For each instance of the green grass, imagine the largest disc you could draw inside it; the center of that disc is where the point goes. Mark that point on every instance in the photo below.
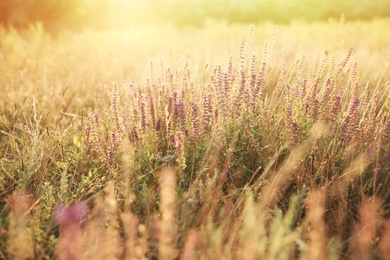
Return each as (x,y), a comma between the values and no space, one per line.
(199,143)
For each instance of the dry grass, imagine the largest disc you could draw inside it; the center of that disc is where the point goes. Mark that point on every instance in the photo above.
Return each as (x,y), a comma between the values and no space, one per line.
(260,154)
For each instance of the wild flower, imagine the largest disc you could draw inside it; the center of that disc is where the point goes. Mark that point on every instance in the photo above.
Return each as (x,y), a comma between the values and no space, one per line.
(252,83)
(110,157)
(95,131)
(335,108)
(194,110)
(70,215)
(352,119)
(87,133)
(301,62)
(327,90)
(169,107)
(115,140)
(344,63)
(134,134)
(69,219)
(195,129)
(291,126)
(242,54)
(313,103)
(179,114)
(152,111)
(143,116)
(386,132)
(368,125)
(303,89)
(114,107)
(260,80)
(207,112)
(158,125)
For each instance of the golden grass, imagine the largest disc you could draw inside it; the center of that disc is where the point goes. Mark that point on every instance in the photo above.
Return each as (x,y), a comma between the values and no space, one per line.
(224,150)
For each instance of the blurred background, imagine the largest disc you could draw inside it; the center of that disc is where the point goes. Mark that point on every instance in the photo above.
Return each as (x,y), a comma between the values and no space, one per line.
(58,15)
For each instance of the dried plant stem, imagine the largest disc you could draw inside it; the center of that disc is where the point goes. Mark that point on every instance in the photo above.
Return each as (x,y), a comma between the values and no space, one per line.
(315,203)
(167,246)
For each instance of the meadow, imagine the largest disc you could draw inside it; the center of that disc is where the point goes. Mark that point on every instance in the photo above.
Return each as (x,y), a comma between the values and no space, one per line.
(217,142)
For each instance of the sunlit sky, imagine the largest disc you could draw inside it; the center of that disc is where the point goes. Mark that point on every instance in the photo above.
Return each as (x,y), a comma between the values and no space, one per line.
(119,13)
(128,12)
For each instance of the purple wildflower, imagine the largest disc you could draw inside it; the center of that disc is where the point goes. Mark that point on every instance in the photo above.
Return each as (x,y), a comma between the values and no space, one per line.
(179,113)
(207,111)
(194,110)
(143,116)
(73,214)
(195,128)
(158,125)
(334,109)
(133,134)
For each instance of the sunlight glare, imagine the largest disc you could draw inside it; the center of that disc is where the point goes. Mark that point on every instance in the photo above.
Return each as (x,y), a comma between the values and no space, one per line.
(124,13)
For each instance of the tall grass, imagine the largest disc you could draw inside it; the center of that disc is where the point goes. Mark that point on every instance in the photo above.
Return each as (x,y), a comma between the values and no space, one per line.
(255,155)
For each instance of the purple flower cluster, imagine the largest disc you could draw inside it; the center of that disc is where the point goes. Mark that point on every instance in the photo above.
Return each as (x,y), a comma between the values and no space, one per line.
(207,111)
(73,214)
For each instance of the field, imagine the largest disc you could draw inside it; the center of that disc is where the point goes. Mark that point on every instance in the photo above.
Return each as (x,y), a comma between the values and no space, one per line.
(214,142)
